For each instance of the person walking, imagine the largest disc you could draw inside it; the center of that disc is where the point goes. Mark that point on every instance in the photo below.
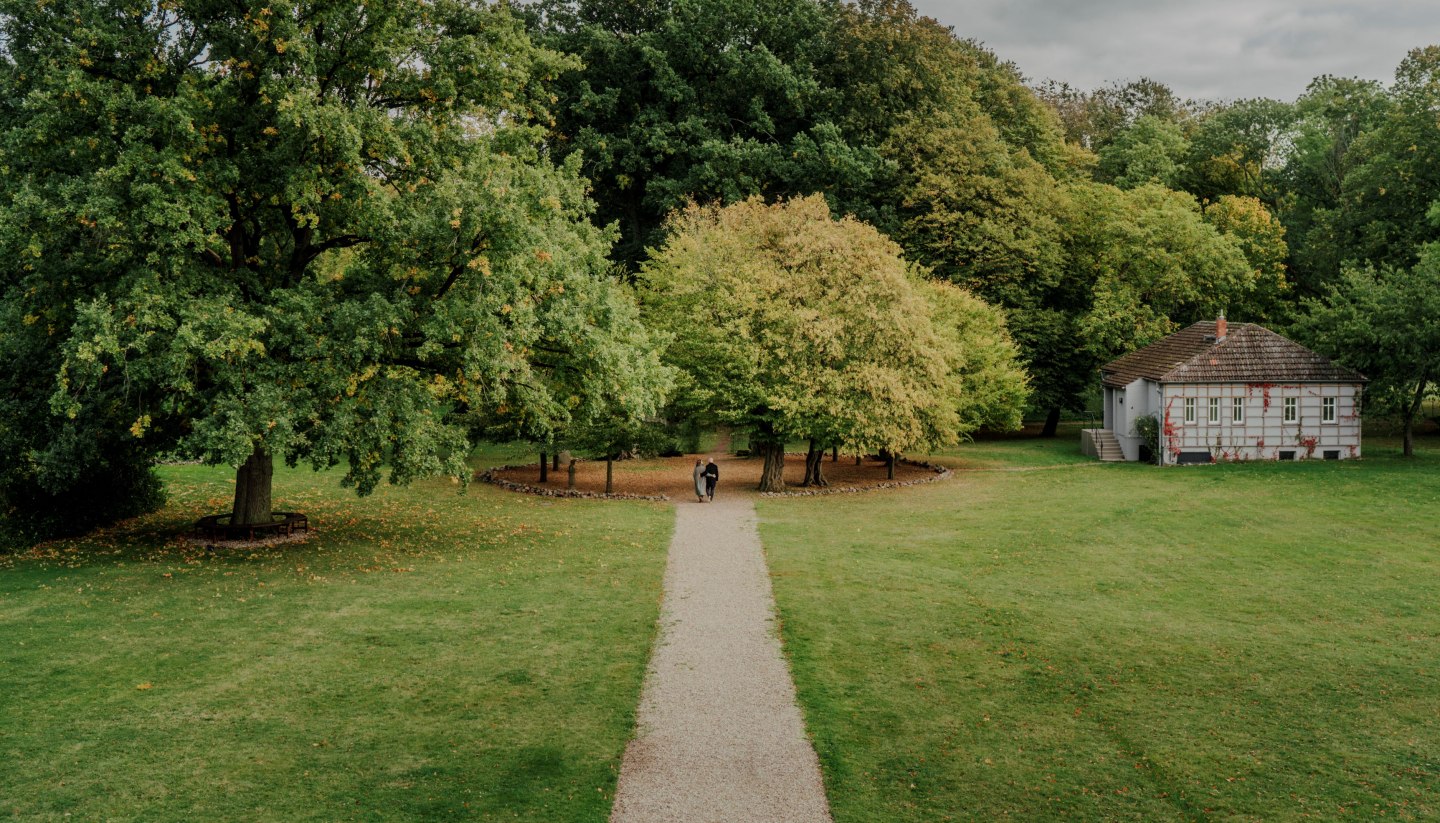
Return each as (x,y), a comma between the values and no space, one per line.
(712,476)
(699,481)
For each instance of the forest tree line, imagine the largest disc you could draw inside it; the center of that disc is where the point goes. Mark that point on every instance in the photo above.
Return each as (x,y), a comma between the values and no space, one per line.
(369,234)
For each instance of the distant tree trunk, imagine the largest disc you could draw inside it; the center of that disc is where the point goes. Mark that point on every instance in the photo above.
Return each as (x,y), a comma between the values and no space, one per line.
(889,465)
(772,448)
(253,489)
(609,474)
(544,468)
(1410,412)
(1052,423)
(555,461)
(570,483)
(834,454)
(859,460)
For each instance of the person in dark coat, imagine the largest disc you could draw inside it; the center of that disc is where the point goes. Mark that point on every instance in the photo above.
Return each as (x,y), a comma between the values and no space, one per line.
(712,476)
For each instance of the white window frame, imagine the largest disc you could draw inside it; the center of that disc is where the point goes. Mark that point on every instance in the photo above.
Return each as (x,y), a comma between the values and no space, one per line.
(1329,411)
(1190,411)
(1214,416)
(1292,409)
(1237,410)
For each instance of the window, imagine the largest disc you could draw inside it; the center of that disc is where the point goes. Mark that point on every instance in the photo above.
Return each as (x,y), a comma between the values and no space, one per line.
(1237,410)
(1292,409)
(1189,411)
(1214,410)
(1287,455)
(1327,410)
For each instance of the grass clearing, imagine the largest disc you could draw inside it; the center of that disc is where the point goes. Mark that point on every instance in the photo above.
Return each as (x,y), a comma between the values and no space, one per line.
(426,655)
(1121,642)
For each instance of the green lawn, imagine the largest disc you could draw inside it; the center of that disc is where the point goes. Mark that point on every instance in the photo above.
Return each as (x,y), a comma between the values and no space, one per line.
(427,656)
(1121,642)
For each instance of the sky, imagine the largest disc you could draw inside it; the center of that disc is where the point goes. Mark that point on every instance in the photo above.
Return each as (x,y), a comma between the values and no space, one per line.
(1203,49)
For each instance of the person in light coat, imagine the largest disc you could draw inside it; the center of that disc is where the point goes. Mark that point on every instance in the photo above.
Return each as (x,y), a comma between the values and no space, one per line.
(699,481)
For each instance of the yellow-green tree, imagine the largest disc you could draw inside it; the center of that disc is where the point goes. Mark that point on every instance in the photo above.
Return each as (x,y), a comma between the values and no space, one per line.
(788,323)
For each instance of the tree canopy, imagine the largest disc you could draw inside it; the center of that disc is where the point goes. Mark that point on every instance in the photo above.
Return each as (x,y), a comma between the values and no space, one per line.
(1385,323)
(787,323)
(322,231)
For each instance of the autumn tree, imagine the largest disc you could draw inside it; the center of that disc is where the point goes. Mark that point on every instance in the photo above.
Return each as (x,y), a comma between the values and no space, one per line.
(790,324)
(318,231)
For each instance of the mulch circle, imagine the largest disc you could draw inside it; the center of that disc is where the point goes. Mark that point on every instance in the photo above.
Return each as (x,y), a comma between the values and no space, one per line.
(671,476)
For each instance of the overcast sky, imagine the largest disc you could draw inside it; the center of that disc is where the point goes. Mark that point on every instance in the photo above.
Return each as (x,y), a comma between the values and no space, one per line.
(1204,49)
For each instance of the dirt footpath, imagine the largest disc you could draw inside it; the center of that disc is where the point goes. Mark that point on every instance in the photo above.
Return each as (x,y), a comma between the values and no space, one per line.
(672,475)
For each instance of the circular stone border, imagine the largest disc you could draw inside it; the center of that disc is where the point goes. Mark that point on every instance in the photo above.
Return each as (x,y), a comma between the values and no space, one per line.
(488,476)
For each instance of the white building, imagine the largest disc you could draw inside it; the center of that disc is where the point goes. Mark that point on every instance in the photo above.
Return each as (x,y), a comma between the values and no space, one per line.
(1236,392)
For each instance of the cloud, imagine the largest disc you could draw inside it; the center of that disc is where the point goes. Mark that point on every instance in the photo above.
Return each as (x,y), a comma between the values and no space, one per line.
(1223,49)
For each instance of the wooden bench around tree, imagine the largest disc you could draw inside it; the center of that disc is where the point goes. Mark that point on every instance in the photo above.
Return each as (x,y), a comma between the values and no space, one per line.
(218,527)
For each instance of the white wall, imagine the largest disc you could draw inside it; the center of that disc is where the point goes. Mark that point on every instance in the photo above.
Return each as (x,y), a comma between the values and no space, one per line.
(1264,434)
(1142,398)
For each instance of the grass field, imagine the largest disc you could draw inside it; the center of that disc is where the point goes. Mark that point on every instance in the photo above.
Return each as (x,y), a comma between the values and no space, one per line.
(1121,642)
(426,656)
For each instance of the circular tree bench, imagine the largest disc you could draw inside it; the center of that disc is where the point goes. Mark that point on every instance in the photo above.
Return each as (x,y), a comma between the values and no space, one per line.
(218,526)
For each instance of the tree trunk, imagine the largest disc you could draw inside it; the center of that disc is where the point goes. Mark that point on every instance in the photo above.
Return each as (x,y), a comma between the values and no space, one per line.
(570,483)
(772,475)
(252,490)
(835,454)
(544,468)
(859,460)
(609,474)
(1052,422)
(814,459)
(1410,412)
(555,461)
(890,465)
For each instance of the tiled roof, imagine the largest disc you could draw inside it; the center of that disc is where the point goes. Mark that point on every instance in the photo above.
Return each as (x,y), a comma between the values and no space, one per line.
(1248,354)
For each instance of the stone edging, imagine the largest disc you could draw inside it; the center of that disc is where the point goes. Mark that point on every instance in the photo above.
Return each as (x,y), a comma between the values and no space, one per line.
(488,476)
(940,473)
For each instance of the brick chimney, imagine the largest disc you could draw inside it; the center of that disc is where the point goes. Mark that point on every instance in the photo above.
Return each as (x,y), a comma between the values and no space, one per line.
(1220,328)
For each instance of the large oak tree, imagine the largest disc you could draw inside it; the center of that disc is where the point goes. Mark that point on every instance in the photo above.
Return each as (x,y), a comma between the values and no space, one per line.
(319,230)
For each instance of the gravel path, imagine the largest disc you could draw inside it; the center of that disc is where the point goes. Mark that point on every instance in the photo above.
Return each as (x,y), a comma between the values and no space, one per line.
(719,736)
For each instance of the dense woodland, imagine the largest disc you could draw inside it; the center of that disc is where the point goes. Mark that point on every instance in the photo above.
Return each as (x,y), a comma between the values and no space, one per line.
(370,234)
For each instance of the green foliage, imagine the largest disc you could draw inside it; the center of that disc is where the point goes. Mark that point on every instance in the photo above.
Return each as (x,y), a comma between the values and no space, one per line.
(1147,428)
(1397,173)
(1261,238)
(696,100)
(1239,149)
(1151,151)
(1331,115)
(990,387)
(789,324)
(1155,265)
(1094,119)
(323,230)
(1384,323)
